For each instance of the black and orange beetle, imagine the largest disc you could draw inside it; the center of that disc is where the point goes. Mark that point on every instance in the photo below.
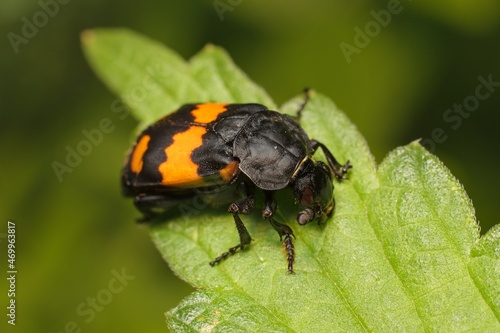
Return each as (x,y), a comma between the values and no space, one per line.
(218,147)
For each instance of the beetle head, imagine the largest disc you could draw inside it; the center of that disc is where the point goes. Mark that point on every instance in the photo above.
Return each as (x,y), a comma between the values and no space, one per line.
(313,190)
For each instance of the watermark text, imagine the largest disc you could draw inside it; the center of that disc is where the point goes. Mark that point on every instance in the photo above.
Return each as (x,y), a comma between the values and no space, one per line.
(455,115)
(363,36)
(31,25)
(11,272)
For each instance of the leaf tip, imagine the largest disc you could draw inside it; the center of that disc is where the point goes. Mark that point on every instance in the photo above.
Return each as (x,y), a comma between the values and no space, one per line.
(87,36)
(417,145)
(211,48)
(416,142)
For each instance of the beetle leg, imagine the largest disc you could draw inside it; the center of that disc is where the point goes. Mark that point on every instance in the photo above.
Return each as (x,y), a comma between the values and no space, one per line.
(338,169)
(243,206)
(284,231)
(151,205)
(303,104)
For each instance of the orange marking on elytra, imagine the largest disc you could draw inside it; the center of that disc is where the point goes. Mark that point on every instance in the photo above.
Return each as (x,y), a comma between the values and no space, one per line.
(208,112)
(229,171)
(140,148)
(179,170)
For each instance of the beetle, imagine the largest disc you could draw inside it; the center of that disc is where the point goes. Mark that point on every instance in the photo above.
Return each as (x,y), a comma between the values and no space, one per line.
(235,149)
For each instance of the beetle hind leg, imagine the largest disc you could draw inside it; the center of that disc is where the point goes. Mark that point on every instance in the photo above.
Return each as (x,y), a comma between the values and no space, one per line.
(243,206)
(302,105)
(153,205)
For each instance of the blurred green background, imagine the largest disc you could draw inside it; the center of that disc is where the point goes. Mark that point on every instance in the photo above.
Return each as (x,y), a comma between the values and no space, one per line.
(73,234)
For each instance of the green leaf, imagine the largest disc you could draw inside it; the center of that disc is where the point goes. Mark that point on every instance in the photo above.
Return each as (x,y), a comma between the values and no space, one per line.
(228,310)
(402,252)
(153,80)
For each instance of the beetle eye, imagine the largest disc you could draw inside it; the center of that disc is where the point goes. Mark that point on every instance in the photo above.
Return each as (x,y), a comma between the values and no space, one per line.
(307,198)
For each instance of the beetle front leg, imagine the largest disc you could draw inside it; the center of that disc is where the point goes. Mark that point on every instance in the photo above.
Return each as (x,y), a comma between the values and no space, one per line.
(284,231)
(243,206)
(338,169)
